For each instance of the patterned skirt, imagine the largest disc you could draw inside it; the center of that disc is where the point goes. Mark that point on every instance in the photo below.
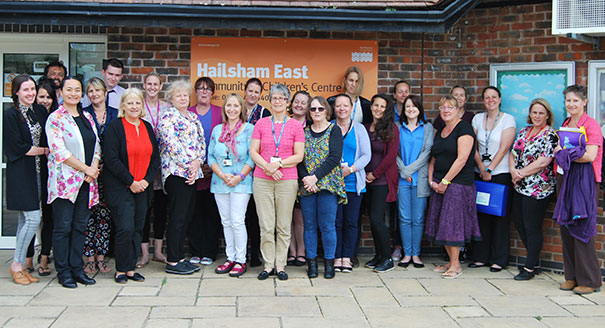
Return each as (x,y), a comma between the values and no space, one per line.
(452,217)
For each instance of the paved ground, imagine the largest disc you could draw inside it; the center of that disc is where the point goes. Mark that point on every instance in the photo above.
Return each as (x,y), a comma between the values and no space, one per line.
(400,298)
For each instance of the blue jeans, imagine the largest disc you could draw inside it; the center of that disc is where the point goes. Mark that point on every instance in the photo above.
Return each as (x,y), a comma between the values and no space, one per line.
(411,218)
(347,226)
(319,210)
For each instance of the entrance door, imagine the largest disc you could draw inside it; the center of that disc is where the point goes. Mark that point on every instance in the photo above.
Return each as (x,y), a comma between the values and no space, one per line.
(30,53)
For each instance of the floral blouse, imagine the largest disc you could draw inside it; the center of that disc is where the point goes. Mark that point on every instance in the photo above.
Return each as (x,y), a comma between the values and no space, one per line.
(527,150)
(217,152)
(64,141)
(181,141)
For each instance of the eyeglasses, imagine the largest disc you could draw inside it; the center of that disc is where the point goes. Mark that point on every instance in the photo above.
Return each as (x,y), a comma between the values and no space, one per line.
(276,98)
(317,109)
(447,107)
(203,89)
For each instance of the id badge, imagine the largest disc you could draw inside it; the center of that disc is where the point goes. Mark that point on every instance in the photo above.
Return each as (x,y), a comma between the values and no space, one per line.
(344,164)
(275,159)
(227,162)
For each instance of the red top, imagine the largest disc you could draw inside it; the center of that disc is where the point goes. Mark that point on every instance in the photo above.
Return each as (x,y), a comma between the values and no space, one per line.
(139,149)
(594,136)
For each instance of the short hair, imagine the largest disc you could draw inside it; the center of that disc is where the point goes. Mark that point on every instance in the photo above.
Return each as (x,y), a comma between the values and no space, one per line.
(546,104)
(417,102)
(240,100)
(112,62)
(491,87)
(177,86)
(340,95)
(579,90)
(299,92)
(279,88)
(459,87)
(95,82)
(324,103)
(256,81)
(400,82)
(56,63)
(135,92)
(354,69)
(205,80)
(148,75)
(16,85)
(448,99)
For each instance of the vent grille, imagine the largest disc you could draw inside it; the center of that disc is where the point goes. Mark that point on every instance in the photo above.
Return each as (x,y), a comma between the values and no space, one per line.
(578,16)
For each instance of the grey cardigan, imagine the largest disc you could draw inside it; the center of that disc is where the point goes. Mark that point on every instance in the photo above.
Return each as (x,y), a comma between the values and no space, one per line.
(363,154)
(421,164)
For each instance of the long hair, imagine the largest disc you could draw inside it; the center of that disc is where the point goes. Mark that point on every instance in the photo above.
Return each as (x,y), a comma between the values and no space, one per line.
(48,86)
(384,126)
(16,86)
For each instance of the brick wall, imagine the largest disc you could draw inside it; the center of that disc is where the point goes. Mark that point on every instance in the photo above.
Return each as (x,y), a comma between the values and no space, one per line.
(512,34)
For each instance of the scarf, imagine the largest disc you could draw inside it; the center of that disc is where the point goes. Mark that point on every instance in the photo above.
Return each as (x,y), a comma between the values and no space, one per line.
(228,136)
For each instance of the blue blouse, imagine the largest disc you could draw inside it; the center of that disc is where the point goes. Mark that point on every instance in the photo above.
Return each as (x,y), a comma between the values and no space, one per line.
(217,152)
(410,144)
(348,156)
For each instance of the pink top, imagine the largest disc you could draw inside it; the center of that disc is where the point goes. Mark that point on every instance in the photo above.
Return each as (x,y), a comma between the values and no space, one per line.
(293,132)
(593,137)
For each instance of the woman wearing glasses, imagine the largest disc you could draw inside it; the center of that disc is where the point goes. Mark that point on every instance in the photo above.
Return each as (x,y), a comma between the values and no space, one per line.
(277,146)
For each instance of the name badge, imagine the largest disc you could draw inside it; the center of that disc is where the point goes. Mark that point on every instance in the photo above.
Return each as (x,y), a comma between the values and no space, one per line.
(344,164)
(275,159)
(227,162)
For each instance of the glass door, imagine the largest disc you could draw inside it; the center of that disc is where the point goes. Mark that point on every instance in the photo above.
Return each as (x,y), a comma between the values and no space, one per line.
(30,53)
(596,91)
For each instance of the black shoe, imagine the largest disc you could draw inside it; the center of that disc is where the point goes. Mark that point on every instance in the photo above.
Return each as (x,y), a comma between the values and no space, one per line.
(371,264)
(404,264)
(298,262)
(120,278)
(475,265)
(68,282)
(179,268)
(192,266)
(255,261)
(312,268)
(492,269)
(386,266)
(136,277)
(418,265)
(282,275)
(265,274)
(329,269)
(524,275)
(355,262)
(84,279)
(461,256)
(291,262)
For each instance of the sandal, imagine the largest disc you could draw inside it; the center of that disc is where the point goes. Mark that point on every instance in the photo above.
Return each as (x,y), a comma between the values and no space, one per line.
(347,266)
(103,267)
(90,267)
(142,264)
(43,271)
(298,262)
(442,268)
(451,274)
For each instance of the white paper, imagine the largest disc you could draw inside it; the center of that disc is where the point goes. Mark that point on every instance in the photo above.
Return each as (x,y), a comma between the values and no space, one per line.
(483,198)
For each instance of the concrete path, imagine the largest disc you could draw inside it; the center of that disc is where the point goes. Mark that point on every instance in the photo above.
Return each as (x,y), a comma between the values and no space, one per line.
(400,298)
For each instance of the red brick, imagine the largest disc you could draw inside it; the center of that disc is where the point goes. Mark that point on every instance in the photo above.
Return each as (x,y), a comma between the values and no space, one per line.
(141,70)
(500,27)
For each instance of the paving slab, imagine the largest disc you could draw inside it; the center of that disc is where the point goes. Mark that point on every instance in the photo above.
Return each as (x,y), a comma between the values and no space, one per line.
(15,300)
(97,317)
(437,301)
(472,287)
(485,322)
(31,311)
(314,291)
(237,322)
(153,300)
(374,297)
(405,287)
(429,317)
(587,310)
(35,322)
(594,322)
(570,300)
(81,296)
(294,306)
(139,291)
(598,298)
(324,323)
(172,323)
(347,280)
(530,287)
(465,311)
(521,306)
(9,288)
(216,300)
(340,307)
(237,287)
(189,312)
(180,287)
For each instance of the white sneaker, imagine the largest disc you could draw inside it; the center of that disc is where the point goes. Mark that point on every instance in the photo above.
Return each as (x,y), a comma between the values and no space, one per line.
(195,260)
(205,261)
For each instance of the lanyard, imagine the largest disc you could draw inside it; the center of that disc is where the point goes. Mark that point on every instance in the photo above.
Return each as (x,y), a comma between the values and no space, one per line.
(154,122)
(355,109)
(487,136)
(252,114)
(277,141)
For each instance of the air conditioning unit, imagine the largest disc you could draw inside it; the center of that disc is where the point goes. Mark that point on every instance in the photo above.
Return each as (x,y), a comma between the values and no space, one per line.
(578,17)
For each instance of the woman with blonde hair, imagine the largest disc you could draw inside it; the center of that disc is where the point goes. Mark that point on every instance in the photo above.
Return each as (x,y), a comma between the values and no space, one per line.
(352,86)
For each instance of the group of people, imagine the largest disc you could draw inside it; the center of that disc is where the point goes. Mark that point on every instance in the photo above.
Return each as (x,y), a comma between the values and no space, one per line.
(278,177)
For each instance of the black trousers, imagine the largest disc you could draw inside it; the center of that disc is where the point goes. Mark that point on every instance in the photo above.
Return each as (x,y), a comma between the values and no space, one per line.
(181,203)
(494,245)
(253,229)
(159,207)
(70,220)
(377,206)
(528,215)
(129,219)
(47,232)
(394,224)
(204,228)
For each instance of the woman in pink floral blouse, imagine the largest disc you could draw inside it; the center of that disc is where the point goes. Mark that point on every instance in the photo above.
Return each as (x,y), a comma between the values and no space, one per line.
(182,151)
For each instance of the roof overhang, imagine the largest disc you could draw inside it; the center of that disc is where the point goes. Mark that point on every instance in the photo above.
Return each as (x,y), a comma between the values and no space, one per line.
(436,19)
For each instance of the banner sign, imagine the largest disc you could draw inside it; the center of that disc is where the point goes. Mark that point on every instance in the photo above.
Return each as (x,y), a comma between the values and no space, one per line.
(315,66)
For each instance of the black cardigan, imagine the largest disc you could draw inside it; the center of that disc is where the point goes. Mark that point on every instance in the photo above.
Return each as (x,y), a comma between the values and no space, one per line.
(365,109)
(21,181)
(117,177)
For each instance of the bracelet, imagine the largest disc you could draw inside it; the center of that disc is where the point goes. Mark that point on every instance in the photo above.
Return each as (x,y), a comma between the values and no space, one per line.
(242,176)
(488,170)
(445,182)
(281,165)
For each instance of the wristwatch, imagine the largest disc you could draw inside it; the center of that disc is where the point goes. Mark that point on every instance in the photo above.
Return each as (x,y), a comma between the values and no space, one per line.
(488,170)
(281,165)
(242,176)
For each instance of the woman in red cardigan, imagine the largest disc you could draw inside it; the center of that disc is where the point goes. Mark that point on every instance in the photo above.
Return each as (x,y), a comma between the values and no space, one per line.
(381,177)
